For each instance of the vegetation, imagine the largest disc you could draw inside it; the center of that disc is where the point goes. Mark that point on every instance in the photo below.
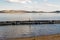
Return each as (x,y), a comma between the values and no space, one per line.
(23,11)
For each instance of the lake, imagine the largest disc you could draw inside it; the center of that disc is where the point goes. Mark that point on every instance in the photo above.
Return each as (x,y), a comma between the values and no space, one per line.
(29,30)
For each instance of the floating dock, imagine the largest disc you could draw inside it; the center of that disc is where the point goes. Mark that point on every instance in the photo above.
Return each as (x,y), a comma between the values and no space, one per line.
(29,22)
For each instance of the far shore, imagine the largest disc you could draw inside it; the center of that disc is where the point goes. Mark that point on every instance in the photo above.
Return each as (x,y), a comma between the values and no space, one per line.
(25,11)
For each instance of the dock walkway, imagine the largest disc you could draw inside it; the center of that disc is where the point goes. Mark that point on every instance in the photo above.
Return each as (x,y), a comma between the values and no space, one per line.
(30,22)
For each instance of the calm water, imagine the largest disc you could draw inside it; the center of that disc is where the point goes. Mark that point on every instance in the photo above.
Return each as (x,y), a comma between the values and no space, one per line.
(29,30)
(31,16)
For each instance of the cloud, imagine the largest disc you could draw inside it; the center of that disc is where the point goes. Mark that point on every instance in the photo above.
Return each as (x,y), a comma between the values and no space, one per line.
(46,6)
(20,1)
(45,0)
(53,5)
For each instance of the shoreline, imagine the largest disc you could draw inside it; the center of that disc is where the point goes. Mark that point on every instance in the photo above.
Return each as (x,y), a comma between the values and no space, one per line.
(48,37)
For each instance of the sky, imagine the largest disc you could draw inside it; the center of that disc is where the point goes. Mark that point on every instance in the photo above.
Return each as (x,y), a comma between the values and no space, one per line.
(30,5)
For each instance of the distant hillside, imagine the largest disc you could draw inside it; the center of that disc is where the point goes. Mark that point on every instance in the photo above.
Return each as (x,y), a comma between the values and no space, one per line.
(55,12)
(20,11)
(23,11)
(13,11)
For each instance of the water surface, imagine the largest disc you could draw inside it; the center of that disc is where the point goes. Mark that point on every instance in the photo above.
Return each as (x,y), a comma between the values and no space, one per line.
(27,16)
(29,30)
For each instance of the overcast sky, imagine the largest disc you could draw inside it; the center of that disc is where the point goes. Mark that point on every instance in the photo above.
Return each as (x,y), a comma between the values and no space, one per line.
(38,5)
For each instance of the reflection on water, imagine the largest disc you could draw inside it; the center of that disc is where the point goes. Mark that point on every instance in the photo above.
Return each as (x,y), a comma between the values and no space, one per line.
(31,16)
(29,30)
